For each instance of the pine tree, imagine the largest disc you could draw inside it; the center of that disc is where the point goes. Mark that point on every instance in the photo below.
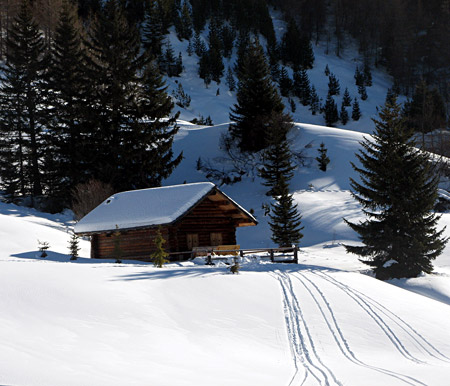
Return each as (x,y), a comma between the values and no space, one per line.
(184,27)
(346,99)
(285,221)
(333,85)
(399,234)
(302,88)
(359,77)
(330,111)
(131,106)
(425,112)
(356,112)
(159,256)
(343,114)
(74,246)
(296,47)
(278,167)
(323,159)
(285,83)
(231,83)
(327,70)
(257,99)
(367,74)
(362,92)
(314,101)
(67,86)
(21,112)
(153,35)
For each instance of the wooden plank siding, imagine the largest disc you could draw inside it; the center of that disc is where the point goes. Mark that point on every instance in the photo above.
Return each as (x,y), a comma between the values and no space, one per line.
(135,244)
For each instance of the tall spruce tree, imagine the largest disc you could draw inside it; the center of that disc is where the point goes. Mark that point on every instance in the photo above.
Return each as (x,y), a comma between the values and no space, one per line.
(331,114)
(278,168)
(67,152)
(285,220)
(21,111)
(356,112)
(302,88)
(133,142)
(397,192)
(257,99)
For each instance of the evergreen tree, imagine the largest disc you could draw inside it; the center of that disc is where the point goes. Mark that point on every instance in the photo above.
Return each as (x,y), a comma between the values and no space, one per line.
(231,83)
(67,151)
(399,234)
(346,99)
(359,77)
(278,167)
(21,112)
(314,101)
(74,246)
(227,36)
(285,83)
(204,68)
(333,85)
(330,111)
(257,99)
(159,256)
(367,74)
(199,46)
(285,221)
(356,112)
(425,112)
(327,70)
(302,88)
(323,159)
(296,47)
(362,92)
(153,35)
(183,26)
(131,106)
(343,114)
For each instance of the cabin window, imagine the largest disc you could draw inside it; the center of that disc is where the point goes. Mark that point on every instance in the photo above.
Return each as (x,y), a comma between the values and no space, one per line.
(216,238)
(192,240)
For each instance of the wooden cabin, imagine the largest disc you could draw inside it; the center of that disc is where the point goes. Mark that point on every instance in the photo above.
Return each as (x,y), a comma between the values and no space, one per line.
(189,216)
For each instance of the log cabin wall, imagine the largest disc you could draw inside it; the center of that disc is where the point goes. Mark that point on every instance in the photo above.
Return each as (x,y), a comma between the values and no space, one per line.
(206,220)
(135,244)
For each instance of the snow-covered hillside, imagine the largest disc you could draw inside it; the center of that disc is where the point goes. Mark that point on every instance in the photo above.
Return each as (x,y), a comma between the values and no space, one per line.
(93,322)
(325,321)
(205,101)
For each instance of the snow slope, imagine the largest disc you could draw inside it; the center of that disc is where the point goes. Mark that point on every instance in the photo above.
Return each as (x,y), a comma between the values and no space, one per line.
(322,322)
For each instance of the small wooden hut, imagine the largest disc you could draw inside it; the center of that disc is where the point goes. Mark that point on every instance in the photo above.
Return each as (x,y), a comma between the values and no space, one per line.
(189,216)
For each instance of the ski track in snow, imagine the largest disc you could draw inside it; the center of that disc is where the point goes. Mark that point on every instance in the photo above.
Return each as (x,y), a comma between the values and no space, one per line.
(374,309)
(329,317)
(302,343)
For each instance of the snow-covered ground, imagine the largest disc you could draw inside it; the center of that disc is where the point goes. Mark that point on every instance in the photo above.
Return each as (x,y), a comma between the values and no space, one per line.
(325,321)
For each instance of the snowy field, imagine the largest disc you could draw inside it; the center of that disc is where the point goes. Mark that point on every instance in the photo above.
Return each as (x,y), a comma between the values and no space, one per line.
(324,321)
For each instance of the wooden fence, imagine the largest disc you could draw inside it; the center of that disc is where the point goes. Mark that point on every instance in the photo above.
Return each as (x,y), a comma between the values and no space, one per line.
(286,251)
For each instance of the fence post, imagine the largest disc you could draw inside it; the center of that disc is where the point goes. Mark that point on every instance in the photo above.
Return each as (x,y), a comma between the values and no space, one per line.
(271,256)
(241,252)
(296,254)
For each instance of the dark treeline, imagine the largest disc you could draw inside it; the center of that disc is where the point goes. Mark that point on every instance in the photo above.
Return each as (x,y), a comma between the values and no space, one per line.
(86,103)
(410,38)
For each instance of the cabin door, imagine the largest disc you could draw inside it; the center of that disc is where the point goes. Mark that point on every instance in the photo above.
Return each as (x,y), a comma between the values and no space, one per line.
(192,240)
(216,239)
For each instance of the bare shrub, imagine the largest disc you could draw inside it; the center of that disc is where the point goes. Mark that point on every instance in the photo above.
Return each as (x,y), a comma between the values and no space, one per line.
(87,196)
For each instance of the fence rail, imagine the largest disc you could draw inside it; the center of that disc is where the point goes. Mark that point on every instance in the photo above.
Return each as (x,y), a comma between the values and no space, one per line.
(242,252)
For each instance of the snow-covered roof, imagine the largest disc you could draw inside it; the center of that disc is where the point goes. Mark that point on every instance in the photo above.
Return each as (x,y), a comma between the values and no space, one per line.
(145,207)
